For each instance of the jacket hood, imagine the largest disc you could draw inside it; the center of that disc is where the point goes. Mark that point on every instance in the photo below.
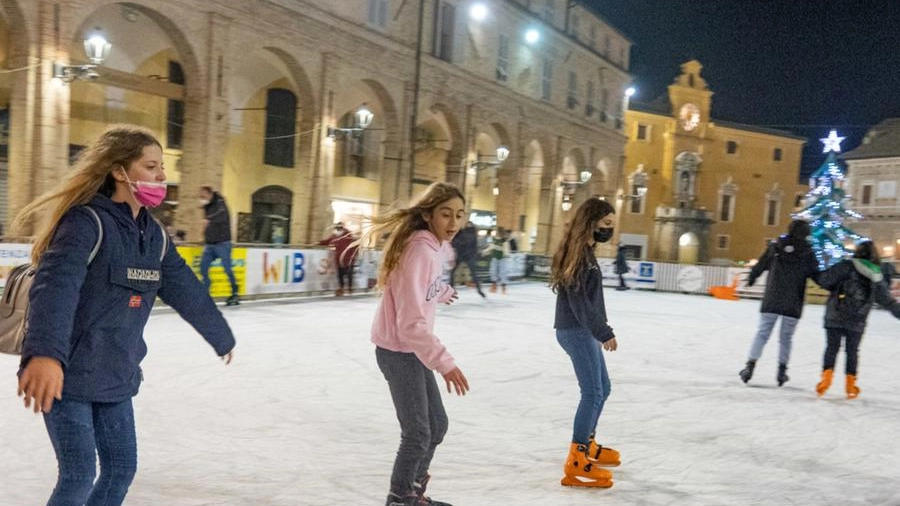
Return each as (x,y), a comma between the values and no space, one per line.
(868,269)
(121,211)
(792,248)
(425,237)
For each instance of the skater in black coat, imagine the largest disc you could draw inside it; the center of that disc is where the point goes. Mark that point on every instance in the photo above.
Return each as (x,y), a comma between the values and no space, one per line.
(790,261)
(621,267)
(854,285)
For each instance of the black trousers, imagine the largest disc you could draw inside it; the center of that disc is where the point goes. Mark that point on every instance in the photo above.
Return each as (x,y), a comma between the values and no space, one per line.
(469,262)
(851,347)
(345,273)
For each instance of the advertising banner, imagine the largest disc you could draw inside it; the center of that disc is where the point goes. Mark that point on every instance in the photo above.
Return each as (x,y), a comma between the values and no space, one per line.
(12,255)
(221,286)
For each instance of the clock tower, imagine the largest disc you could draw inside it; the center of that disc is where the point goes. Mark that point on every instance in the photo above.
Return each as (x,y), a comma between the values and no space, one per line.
(690,99)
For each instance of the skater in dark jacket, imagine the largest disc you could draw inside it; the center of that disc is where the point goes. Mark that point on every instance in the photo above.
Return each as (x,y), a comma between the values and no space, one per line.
(621,267)
(87,318)
(790,261)
(854,285)
(465,245)
(217,236)
(583,332)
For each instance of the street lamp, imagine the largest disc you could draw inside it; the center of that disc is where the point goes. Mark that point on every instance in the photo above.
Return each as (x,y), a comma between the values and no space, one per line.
(501,154)
(569,187)
(363,116)
(96,48)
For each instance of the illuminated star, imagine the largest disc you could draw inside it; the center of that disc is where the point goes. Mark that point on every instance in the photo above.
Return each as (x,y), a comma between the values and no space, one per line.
(832,142)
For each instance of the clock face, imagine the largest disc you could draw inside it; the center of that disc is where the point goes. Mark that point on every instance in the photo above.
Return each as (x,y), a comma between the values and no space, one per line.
(689,116)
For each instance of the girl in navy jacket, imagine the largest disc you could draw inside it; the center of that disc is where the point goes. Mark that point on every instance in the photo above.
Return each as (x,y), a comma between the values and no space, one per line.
(82,351)
(582,330)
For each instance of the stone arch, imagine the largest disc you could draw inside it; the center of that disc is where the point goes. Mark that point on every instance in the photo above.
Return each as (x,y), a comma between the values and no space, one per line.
(16,142)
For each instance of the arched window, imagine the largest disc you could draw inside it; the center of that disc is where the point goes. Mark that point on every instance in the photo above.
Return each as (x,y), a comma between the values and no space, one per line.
(281,120)
(271,215)
(175,109)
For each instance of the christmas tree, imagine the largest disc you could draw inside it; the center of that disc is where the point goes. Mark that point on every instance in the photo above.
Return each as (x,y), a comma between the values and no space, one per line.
(826,209)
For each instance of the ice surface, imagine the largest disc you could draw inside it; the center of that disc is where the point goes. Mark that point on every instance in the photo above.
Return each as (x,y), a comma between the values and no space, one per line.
(303,416)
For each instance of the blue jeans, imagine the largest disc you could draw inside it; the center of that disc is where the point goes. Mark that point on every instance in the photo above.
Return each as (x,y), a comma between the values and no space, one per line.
(766,324)
(420,410)
(498,270)
(593,379)
(221,250)
(82,431)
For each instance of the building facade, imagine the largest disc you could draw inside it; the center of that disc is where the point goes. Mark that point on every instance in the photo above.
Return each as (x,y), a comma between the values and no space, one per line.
(258,98)
(695,189)
(873,177)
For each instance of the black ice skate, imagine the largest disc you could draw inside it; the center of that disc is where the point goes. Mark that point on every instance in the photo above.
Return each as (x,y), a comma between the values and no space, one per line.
(233,301)
(419,487)
(747,372)
(782,374)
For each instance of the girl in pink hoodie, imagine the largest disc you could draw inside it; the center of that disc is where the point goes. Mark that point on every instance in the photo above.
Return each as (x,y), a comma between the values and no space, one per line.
(407,350)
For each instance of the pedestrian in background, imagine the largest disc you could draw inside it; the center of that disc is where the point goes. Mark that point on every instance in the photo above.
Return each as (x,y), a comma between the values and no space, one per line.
(217,236)
(621,267)
(344,257)
(854,284)
(89,306)
(790,261)
(583,332)
(407,350)
(498,251)
(465,245)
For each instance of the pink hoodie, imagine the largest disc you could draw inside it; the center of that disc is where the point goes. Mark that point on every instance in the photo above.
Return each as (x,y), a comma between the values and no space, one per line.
(404,321)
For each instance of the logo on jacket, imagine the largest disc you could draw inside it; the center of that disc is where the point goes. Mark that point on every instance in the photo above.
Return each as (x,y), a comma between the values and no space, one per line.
(434,289)
(134,301)
(135,274)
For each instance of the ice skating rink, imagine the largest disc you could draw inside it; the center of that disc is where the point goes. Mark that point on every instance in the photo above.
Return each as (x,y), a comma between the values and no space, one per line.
(303,416)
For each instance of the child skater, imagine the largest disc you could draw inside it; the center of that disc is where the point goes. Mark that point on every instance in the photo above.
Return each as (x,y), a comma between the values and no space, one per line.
(87,311)
(407,350)
(854,283)
(581,330)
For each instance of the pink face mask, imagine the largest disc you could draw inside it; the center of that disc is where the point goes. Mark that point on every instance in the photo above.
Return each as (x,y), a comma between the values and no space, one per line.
(146,193)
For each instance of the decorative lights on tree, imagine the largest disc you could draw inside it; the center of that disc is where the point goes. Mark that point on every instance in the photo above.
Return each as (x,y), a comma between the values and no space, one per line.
(825,208)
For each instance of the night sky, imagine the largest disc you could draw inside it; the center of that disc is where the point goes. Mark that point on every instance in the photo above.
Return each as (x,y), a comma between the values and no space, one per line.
(804,66)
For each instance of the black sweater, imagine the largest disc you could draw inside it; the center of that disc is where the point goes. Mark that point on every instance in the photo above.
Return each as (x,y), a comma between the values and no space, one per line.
(582,306)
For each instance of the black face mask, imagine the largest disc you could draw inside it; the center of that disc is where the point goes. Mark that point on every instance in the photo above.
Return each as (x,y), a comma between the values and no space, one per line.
(603,234)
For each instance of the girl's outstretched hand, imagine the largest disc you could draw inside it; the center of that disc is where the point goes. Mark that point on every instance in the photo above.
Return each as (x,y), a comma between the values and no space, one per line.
(458,380)
(41,381)
(453,297)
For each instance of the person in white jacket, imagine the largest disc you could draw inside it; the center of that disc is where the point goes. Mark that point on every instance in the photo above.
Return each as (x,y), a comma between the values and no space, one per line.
(407,350)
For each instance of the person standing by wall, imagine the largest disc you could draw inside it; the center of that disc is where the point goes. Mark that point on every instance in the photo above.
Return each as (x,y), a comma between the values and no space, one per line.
(87,317)
(465,244)
(217,236)
(344,257)
(790,261)
(583,332)
(406,348)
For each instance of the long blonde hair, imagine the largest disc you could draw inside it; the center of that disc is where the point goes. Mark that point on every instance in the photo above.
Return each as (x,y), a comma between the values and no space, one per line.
(400,224)
(574,252)
(118,146)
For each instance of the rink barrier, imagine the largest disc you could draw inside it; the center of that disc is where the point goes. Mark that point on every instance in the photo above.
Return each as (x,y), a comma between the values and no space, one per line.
(268,271)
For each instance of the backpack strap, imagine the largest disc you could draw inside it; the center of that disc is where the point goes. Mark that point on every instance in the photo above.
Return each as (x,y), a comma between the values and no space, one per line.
(99,235)
(165,236)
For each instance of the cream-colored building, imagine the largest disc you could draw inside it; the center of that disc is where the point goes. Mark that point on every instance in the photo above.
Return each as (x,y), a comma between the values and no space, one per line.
(873,178)
(258,98)
(714,191)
